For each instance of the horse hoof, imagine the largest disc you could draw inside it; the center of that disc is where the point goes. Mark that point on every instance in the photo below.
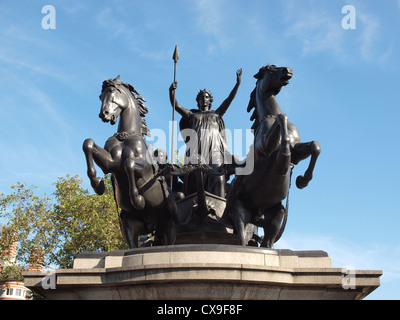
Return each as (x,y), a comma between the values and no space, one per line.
(98,186)
(267,244)
(301,182)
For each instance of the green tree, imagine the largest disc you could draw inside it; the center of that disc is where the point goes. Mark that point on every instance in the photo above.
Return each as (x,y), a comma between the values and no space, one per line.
(84,222)
(28,219)
(71,221)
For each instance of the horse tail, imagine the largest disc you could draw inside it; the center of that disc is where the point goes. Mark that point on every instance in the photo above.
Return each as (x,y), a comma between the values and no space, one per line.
(119,211)
(285,214)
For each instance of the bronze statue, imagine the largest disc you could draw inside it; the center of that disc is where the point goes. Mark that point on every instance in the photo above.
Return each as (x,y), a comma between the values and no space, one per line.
(149,193)
(257,198)
(207,127)
(146,202)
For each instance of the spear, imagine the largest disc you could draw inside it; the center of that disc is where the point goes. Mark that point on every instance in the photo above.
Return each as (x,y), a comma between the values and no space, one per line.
(175,57)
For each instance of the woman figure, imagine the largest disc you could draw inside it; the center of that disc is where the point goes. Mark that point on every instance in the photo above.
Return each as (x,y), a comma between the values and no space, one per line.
(205,140)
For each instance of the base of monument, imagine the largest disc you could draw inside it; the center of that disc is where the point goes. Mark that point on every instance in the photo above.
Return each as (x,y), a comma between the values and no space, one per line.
(206,238)
(204,271)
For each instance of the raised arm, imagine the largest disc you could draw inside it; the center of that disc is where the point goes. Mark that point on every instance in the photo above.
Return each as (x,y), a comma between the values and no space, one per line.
(181,110)
(227,102)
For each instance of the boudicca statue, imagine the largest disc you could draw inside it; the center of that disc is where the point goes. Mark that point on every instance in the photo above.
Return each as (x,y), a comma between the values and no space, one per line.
(210,142)
(204,207)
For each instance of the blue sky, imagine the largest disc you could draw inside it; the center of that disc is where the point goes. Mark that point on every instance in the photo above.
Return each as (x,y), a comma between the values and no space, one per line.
(344,94)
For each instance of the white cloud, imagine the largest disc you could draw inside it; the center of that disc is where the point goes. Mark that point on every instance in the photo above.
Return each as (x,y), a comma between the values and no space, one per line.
(135,36)
(375,39)
(369,35)
(316,29)
(73,7)
(212,20)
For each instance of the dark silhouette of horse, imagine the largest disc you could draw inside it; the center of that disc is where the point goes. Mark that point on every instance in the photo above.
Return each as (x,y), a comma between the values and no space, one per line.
(146,202)
(257,198)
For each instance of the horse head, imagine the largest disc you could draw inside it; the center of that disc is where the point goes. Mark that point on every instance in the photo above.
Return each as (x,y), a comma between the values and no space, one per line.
(271,78)
(113,99)
(117,96)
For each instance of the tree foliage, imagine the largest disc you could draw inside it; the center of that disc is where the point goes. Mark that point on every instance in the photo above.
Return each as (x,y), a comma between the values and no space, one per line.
(69,222)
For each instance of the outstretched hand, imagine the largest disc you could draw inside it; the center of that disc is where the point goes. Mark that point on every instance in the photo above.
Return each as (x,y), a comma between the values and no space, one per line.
(173,86)
(239,75)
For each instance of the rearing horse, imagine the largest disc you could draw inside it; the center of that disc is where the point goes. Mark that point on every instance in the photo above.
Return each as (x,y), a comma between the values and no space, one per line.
(257,198)
(145,200)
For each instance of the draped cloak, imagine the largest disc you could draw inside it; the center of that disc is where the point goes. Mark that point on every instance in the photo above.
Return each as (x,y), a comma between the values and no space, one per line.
(205,143)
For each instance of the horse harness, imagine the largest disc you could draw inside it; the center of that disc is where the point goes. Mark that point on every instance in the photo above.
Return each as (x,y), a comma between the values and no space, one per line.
(124,135)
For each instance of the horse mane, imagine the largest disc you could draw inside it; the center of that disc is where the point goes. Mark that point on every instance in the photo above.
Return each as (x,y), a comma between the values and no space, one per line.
(253,101)
(139,99)
(142,108)
(253,105)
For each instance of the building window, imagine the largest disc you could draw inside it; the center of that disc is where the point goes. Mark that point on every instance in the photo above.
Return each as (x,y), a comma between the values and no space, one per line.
(12,292)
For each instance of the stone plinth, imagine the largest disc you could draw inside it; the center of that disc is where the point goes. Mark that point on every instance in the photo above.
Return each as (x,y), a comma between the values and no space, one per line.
(204,271)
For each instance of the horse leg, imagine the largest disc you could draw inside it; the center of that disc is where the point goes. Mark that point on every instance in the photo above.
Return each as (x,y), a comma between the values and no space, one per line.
(131,166)
(130,228)
(102,158)
(302,151)
(283,157)
(166,230)
(272,223)
(172,217)
(240,220)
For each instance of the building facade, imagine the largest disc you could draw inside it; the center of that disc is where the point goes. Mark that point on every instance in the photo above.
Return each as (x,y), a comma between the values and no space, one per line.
(11,288)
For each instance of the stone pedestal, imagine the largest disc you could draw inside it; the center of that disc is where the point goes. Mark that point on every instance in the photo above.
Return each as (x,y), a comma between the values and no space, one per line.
(204,271)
